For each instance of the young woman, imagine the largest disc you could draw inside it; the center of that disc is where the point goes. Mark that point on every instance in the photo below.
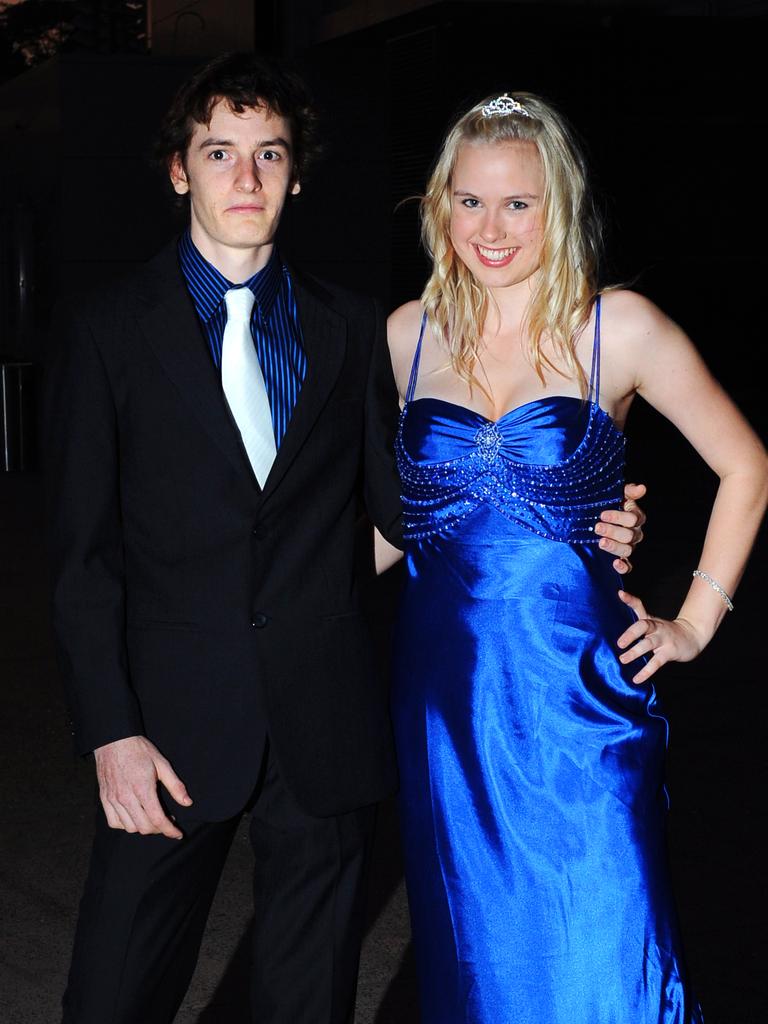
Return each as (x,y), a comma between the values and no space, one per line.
(531,748)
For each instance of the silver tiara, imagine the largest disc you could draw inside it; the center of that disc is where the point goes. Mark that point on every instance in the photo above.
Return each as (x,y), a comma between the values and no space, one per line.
(503,106)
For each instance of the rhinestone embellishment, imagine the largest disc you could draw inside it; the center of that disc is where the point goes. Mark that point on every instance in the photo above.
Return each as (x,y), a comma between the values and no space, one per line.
(559,500)
(503,106)
(488,440)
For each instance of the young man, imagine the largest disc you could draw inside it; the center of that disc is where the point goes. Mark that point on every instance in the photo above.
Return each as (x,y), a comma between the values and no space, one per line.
(213,423)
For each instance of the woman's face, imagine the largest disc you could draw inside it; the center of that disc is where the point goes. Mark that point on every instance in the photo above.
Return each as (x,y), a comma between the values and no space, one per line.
(497,211)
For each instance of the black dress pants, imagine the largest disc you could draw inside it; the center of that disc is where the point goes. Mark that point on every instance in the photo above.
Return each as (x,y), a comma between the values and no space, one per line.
(147,899)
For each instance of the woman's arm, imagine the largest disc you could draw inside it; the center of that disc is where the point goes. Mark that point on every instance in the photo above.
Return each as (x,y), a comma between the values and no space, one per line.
(380,479)
(670,374)
(385,554)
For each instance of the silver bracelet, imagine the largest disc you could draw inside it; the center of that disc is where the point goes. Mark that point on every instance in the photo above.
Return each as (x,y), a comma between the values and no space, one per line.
(715,586)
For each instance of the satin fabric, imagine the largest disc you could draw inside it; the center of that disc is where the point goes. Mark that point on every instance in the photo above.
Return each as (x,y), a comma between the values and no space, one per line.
(532,799)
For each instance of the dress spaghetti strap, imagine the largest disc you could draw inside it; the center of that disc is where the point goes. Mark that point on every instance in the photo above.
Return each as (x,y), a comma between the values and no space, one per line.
(594,376)
(415,365)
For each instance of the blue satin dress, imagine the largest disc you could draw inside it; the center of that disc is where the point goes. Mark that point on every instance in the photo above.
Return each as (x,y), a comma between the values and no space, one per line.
(532,799)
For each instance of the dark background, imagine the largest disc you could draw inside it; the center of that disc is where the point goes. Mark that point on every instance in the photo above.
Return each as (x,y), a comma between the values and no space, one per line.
(671,101)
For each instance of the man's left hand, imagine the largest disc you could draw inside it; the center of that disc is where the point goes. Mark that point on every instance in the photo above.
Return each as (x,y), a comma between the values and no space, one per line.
(621,530)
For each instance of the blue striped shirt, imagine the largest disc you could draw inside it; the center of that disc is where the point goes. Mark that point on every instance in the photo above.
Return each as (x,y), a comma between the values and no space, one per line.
(274,324)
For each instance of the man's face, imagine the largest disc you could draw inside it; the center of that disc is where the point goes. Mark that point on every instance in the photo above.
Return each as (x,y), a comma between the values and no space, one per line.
(238,171)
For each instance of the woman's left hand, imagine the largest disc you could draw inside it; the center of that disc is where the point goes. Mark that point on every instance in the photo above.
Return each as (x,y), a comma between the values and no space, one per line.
(663,639)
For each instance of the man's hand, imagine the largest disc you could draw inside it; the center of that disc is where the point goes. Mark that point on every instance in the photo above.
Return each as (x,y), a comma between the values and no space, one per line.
(128,771)
(622,530)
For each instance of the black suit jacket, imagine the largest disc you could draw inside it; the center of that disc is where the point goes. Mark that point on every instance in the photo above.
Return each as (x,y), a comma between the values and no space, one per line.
(189,605)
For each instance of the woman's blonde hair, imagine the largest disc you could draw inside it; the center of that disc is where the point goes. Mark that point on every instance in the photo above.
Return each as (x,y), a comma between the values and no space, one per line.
(457,303)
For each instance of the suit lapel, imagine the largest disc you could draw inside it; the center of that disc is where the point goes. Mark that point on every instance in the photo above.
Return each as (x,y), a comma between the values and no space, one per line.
(324,336)
(167,318)
(169,322)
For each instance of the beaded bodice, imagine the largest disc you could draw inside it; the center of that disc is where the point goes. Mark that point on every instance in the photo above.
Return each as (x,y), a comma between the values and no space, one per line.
(551,465)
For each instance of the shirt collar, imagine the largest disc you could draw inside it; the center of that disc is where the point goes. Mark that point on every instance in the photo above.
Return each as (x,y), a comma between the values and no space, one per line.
(207,285)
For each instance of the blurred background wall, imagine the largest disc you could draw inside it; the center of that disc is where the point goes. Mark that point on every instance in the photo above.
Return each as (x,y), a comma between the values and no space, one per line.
(669,99)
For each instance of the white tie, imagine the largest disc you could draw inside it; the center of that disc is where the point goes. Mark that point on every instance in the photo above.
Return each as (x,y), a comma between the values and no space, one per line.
(243,383)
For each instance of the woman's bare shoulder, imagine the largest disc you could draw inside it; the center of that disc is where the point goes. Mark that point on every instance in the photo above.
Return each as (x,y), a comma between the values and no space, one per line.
(638,340)
(630,315)
(404,322)
(403,328)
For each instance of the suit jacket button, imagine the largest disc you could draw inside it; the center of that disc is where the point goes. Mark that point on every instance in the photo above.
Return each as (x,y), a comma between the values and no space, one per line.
(258,531)
(259,620)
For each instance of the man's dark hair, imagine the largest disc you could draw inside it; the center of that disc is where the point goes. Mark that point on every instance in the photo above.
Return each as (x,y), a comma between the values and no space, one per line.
(242,80)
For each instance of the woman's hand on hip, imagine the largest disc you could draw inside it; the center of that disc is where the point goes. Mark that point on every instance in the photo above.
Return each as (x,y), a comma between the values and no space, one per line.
(662,640)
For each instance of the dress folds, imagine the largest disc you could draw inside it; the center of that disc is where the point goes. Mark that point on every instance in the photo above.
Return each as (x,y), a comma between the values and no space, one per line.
(532,800)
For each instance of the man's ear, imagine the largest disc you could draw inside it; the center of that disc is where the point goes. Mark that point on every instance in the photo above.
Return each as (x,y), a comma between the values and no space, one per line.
(296,187)
(178,175)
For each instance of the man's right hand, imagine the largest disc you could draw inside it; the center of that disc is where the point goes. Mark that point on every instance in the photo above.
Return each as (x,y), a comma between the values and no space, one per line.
(128,771)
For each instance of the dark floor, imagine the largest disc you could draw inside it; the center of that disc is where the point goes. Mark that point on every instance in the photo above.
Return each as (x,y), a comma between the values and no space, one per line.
(717,779)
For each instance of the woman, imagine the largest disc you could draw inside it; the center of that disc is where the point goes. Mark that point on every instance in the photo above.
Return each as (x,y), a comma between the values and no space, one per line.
(531,750)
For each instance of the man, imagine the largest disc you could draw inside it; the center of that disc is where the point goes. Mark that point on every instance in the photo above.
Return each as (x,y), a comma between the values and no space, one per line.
(214,421)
